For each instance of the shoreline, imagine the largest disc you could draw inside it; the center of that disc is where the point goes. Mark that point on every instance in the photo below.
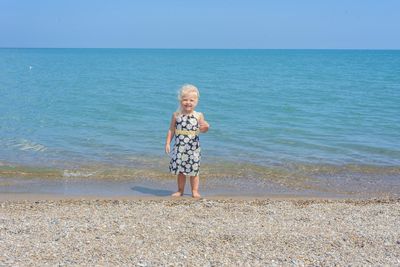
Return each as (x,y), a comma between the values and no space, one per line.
(219,179)
(4,197)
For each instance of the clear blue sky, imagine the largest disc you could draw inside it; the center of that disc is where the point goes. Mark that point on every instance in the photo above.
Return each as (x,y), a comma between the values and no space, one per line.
(360,24)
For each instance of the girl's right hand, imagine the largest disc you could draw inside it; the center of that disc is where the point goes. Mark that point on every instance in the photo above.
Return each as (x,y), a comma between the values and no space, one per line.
(167,149)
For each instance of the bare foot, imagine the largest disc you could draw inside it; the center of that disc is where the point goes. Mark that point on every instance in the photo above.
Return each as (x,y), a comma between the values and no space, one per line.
(195,194)
(177,194)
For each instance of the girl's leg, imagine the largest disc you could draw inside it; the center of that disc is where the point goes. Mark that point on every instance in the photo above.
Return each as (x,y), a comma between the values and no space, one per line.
(194,182)
(181,185)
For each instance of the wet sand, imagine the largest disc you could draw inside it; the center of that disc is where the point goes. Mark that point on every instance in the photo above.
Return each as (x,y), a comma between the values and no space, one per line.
(222,231)
(252,187)
(5,197)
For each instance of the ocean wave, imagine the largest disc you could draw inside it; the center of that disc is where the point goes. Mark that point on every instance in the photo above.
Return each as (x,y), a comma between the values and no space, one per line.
(216,168)
(153,168)
(27,145)
(75,173)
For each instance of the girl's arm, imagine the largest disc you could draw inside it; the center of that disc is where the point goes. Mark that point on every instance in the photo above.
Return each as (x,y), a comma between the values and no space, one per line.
(170,134)
(204,126)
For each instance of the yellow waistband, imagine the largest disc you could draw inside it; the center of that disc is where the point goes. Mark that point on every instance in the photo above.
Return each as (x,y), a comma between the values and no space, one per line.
(185,132)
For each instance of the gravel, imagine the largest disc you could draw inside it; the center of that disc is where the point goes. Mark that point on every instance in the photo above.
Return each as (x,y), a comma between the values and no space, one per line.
(205,232)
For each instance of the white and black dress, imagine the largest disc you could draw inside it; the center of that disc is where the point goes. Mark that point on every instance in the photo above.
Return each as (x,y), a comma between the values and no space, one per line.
(186,152)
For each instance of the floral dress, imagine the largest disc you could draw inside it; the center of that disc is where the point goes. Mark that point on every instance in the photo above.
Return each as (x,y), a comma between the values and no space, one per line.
(186,152)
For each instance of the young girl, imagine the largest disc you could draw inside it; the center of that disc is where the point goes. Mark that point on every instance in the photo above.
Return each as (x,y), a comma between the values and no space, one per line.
(186,124)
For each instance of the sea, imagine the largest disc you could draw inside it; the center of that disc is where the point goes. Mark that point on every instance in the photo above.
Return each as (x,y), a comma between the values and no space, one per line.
(294,122)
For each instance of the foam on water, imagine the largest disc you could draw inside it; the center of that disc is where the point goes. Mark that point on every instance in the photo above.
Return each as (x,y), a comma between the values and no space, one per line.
(24,145)
(75,173)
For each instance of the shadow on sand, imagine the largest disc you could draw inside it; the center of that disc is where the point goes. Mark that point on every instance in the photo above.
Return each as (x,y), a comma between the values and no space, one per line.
(152,191)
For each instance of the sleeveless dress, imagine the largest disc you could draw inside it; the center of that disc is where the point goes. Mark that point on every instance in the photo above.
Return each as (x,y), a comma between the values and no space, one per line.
(186,153)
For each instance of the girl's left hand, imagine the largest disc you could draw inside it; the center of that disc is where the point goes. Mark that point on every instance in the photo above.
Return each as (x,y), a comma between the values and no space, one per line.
(204,126)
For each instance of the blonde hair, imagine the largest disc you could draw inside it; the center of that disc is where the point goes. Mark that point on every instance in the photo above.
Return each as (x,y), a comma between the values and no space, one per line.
(185,90)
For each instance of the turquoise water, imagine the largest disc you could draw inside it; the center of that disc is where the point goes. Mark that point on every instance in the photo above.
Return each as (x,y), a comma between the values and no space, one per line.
(68,108)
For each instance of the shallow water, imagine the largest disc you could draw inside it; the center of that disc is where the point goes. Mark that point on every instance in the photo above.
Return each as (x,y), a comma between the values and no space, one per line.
(148,177)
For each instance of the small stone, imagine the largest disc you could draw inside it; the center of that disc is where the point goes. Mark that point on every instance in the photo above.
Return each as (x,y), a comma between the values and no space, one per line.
(142,264)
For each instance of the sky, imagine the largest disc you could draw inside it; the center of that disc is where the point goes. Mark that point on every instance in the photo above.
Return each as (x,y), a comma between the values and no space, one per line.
(244,24)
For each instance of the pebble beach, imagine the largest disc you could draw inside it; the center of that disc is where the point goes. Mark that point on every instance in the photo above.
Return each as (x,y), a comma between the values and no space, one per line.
(205,232)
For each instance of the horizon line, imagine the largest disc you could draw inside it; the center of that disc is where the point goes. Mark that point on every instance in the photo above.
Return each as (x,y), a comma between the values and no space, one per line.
(195,48)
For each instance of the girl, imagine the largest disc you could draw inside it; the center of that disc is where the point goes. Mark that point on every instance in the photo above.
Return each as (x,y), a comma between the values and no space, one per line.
(185,126)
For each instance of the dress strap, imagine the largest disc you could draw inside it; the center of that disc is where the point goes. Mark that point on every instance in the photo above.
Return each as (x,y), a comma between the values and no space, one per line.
(197,115)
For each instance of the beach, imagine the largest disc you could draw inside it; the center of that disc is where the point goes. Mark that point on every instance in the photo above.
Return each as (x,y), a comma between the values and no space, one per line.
(217,231)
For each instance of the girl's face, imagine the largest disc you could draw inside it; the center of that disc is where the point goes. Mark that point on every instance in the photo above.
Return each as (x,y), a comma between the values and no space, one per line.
(189,102)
